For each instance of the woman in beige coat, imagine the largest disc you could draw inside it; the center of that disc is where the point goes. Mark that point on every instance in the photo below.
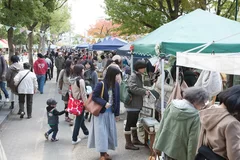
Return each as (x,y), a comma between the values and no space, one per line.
(220,126)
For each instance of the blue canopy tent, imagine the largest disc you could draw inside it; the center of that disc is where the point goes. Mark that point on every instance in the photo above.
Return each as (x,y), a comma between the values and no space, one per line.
(109,44)
(83,46)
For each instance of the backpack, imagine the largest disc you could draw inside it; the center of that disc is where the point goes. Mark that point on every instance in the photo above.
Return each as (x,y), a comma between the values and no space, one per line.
(125,95)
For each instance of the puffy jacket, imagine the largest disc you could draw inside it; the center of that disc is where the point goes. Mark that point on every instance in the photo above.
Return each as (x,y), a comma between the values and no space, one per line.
(40,66)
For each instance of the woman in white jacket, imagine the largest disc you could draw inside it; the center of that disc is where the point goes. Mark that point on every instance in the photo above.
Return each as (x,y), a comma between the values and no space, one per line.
(27,85)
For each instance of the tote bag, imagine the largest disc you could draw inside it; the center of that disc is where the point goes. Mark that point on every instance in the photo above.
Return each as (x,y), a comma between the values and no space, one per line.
(75,106)
(93,107)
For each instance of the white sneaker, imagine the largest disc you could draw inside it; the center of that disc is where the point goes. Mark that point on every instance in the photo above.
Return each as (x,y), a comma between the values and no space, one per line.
(76,142)
(7,100)
(85,137)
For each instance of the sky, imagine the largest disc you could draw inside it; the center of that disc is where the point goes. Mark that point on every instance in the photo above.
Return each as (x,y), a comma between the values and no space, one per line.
(85,13)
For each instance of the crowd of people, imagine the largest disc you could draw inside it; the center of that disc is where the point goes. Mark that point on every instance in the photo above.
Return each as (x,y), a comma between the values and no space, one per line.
(186,125)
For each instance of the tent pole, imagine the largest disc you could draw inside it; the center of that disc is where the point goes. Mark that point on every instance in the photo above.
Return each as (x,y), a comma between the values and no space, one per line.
(131,62)
(162,89)
(205,47)
(195,48)
(177,74)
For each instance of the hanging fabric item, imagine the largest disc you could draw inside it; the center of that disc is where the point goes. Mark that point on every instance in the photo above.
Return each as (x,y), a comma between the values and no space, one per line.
(211,81)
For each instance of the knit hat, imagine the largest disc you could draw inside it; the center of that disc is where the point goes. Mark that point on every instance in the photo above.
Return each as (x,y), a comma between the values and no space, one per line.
(139,64)
(51,101)
(40,55)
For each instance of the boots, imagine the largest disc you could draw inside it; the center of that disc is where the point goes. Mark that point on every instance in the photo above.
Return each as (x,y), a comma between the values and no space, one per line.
(129,144)
(135,140)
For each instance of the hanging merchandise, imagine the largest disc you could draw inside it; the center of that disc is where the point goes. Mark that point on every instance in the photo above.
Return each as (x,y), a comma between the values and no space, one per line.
(211,81)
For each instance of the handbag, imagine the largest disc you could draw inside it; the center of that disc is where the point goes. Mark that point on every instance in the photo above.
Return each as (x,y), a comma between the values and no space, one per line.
(93,107)
(206,153)
(75,106)
(16,88)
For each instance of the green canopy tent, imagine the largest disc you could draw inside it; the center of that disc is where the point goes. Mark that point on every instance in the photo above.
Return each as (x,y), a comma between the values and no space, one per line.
(192,30)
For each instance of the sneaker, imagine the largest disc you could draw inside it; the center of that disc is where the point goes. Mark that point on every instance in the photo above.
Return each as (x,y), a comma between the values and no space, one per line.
(46,135)
(85,136)
(22,114)
(67,119)
(76,142)
(54,140)
(7,100)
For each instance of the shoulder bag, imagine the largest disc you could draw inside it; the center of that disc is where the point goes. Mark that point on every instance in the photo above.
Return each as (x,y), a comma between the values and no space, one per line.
(206,153)
(92,106)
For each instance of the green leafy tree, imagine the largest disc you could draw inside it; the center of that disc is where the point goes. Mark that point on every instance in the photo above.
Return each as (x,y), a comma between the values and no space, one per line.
(144,16)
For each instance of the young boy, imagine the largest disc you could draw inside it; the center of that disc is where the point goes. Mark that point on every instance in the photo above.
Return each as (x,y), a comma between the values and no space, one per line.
(53,120)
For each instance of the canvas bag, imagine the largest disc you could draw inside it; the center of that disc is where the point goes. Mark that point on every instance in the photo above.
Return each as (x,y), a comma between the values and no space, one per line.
(125,95)
(177,91)
(75,106)
(93,107)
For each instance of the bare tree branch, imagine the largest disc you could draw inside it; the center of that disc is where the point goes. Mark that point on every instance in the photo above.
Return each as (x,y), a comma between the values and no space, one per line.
(60,5)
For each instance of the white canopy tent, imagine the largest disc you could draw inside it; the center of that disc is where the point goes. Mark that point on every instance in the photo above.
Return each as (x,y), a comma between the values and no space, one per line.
(228,63)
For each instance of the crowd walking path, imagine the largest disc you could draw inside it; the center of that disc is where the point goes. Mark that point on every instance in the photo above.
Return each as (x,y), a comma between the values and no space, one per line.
(23,139)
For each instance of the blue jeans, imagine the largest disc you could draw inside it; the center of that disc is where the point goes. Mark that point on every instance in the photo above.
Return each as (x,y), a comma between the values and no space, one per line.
(41,80)
(3,88)
(79,122)
(54,129)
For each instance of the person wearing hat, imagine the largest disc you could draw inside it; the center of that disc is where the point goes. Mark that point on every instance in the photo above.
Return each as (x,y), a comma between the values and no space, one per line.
(40,67)
(135,84)
(27,86)
(53,119)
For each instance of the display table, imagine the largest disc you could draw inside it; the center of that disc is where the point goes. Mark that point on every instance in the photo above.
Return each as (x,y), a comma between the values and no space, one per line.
(149,131)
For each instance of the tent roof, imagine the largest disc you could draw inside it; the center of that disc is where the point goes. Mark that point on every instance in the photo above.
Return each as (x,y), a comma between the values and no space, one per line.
(109,44)
(191,30)
(84,45)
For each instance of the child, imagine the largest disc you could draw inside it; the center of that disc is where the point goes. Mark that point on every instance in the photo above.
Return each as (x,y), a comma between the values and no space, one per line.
(52,115)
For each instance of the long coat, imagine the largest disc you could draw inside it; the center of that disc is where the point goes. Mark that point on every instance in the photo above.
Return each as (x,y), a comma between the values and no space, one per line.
(135,84)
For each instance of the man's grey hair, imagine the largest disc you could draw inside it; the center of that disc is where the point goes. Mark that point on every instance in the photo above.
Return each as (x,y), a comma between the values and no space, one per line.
(196,95)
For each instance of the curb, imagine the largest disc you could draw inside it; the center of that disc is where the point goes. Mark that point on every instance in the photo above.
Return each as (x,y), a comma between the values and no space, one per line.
(4,113)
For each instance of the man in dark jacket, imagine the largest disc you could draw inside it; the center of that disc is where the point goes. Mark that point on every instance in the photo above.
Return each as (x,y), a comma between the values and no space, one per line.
(133,109)
(59,62)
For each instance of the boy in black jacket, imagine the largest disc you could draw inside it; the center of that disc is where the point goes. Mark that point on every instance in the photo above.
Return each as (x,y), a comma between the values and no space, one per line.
(53,120)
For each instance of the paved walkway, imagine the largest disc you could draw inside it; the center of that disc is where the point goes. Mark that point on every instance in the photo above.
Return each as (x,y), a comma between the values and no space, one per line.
(22,139)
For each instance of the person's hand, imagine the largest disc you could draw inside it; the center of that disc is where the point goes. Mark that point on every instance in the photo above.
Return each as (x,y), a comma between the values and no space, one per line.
(147,92)
(107,105)
(117,118)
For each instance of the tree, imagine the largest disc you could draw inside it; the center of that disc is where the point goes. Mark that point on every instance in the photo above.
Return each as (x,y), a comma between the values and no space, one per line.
(144,16)
(103,28)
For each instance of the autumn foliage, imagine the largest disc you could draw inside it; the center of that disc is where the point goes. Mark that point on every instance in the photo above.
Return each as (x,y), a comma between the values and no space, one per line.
(103,28)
